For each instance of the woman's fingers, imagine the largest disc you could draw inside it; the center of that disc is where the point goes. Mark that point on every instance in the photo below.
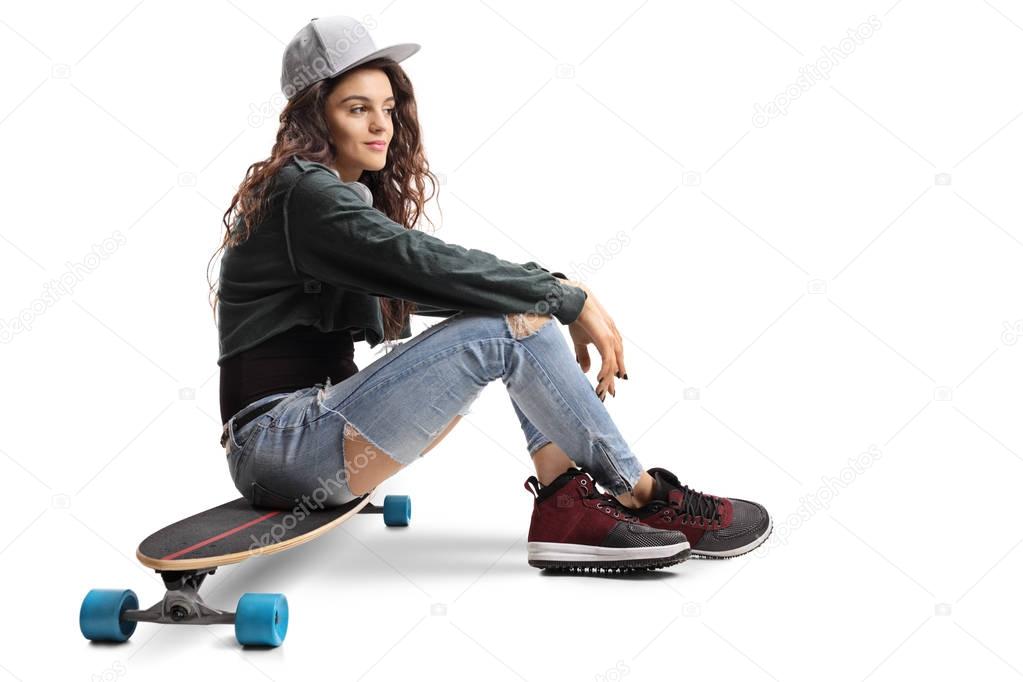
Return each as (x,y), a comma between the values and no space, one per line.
(595,326)
(580,339)
(582,356)
(620,358)
(608,368)
(616,349)
(619,349)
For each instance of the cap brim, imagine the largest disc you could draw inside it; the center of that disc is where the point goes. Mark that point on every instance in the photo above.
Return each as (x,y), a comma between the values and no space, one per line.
(398,53)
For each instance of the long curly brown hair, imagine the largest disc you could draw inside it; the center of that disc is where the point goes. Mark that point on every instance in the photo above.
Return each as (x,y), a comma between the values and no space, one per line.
(398,188)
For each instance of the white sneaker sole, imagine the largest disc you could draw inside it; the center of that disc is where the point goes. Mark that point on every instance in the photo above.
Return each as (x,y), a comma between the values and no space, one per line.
(565,552)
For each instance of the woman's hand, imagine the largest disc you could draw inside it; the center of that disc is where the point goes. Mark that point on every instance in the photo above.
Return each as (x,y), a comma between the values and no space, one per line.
(594,325)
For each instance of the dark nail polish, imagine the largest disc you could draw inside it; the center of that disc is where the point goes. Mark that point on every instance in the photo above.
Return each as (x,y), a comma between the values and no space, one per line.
(626,377)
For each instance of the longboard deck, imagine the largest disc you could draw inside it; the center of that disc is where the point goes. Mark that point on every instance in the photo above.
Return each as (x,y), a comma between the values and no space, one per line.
(235,531)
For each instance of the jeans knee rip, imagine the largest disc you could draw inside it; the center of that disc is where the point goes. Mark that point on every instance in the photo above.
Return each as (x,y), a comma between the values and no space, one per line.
(522,325)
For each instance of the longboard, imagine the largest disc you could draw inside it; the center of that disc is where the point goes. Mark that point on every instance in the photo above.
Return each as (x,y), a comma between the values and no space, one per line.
(186,551)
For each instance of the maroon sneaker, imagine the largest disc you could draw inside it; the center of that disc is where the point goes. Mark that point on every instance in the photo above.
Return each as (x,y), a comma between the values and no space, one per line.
(576,527)
(716,527)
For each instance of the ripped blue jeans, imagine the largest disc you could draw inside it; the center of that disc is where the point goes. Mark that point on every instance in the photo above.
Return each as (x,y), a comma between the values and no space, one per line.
(403,400)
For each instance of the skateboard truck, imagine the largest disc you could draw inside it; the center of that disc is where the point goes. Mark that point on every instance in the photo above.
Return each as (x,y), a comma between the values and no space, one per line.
(182,603)
(111,615)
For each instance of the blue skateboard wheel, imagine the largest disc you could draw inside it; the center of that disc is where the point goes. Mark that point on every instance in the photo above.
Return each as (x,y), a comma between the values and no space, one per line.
(100,616)
(261,619)
(397,510)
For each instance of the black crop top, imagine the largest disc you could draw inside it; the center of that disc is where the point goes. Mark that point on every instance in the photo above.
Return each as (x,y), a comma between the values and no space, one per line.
(297,358)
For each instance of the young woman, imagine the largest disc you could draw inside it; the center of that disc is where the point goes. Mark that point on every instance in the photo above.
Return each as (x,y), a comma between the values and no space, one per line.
(321,251)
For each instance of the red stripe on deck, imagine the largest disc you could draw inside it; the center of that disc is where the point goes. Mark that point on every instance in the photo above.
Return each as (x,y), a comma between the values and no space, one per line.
(226,533)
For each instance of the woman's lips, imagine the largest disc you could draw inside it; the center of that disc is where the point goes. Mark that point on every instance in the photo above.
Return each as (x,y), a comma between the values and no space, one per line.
(378,146)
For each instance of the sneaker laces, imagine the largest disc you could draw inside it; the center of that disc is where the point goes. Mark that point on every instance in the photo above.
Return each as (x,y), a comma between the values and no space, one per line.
(626,513)
(613,502)
(697,504)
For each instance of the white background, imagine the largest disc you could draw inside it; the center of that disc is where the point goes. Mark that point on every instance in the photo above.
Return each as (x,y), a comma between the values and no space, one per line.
(842,280)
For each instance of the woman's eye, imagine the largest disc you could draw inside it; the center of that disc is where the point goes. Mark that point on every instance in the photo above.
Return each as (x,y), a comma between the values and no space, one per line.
(358,109)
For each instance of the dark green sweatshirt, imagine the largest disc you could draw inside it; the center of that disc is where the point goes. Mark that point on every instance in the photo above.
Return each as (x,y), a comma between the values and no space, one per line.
(322,255)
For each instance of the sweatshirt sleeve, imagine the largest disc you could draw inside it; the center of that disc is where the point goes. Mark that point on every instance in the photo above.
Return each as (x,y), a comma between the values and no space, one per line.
(534,265)
(433,311)
(337,238)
